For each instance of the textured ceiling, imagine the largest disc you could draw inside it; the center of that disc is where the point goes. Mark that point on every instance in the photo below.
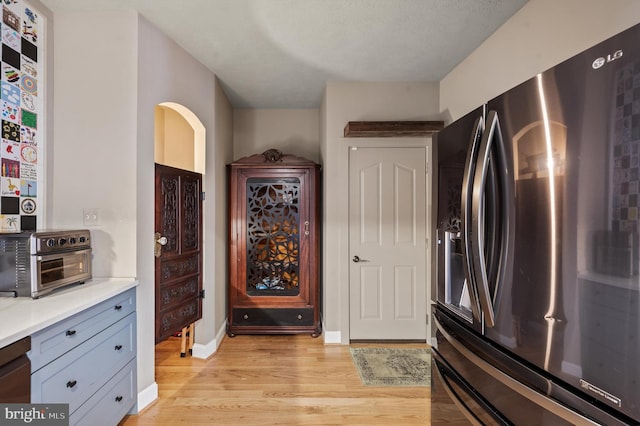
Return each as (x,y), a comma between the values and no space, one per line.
(281,53)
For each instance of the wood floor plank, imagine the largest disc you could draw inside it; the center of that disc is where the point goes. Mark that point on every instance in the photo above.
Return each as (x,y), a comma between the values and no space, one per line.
(269,380)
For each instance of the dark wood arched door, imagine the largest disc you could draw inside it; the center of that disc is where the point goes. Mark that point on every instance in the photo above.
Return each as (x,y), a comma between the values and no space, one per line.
(178,262)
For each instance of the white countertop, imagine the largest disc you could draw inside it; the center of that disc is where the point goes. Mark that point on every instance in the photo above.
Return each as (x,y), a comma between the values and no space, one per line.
(23,316)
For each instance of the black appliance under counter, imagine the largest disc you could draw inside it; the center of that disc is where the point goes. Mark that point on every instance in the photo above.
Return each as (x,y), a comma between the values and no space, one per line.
(15,372)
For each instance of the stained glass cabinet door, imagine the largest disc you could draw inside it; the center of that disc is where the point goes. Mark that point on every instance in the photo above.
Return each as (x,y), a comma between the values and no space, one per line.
(273,241)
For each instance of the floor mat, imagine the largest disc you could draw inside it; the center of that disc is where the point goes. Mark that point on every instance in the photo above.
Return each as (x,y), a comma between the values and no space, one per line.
(393,366)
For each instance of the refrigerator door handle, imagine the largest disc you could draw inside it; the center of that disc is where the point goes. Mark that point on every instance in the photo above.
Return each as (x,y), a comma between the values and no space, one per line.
(466,213)
(524,390)
(498,260)
(477,220)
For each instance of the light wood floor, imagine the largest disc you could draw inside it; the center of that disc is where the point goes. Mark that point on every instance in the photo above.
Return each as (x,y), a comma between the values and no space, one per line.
(267,380)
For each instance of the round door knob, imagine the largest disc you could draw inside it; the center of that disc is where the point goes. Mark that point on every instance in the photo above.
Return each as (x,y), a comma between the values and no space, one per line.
(162,241)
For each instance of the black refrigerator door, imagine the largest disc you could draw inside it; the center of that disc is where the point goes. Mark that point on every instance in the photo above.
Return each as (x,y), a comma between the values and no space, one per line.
(489,387)
(454,148)
(570,305)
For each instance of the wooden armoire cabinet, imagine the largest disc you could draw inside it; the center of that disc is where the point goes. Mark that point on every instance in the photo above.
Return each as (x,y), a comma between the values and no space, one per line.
(274,239)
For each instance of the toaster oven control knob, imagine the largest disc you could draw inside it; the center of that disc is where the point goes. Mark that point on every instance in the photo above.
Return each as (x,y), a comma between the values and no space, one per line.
(51,242)
(72,240)
(62,241)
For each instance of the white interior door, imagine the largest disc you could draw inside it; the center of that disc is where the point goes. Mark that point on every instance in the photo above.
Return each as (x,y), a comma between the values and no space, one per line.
(387,237)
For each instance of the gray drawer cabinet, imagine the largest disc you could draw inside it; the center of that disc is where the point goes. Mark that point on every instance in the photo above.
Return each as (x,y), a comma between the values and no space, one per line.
(60,338)
(89,362)
(110,404)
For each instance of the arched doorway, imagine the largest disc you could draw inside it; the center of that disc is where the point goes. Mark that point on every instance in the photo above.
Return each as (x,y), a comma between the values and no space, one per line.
(180,138)
(179,165)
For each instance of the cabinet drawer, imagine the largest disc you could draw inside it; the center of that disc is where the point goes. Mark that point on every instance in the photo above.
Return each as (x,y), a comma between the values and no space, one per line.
(78,374)
(60,338)
(111,402)
(273,316)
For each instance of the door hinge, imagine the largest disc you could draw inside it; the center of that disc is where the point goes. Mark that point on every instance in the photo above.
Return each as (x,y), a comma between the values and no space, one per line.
(202,196)
(201,294)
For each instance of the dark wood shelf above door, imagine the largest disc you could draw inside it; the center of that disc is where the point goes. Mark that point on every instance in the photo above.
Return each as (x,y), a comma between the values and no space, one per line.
(378,129)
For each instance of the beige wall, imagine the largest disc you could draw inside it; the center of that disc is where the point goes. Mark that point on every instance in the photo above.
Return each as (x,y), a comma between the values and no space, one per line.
(292,131)
(539,36)
(103,156)
(219,154)
(344,102)
(167,73)
(93,148)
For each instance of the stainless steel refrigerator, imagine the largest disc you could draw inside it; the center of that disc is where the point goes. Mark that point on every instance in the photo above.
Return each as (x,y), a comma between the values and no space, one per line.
(537,313)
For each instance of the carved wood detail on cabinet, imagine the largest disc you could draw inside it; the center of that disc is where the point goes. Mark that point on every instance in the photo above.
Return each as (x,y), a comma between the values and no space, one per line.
(274,231)
(170,206)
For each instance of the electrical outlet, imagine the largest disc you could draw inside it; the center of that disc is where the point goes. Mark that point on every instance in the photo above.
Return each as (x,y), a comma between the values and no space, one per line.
(91,217)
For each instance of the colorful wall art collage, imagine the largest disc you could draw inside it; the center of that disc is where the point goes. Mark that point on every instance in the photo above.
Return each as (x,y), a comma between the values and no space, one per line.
(21,113)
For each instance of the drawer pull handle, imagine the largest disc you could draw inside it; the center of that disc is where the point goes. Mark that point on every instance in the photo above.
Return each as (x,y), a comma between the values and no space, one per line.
(118,307)
(299,317)
(245,316)
(118,398)
(70,332)
(118,347)
(71,383)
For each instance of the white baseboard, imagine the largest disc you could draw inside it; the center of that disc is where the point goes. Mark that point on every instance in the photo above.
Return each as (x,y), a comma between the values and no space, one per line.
(146,397)
(204,351)
(332,337)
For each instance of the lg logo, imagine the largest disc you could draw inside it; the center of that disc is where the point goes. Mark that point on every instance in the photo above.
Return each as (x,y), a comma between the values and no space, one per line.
(601,61)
